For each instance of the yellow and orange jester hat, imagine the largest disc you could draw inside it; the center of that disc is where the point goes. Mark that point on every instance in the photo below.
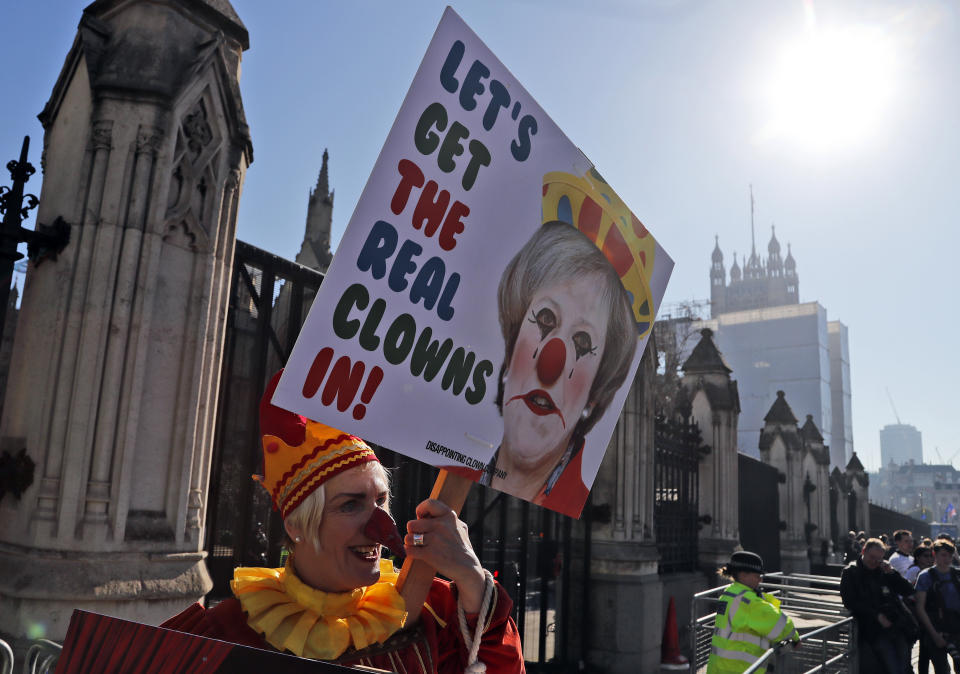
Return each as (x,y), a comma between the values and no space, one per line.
(299,455)
(590,204)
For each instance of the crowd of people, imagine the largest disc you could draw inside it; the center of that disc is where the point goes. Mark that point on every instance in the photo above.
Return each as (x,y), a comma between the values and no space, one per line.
(901,592)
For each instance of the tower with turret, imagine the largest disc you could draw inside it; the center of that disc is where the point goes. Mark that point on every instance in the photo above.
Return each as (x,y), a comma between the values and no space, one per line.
(761,283)
(718,279)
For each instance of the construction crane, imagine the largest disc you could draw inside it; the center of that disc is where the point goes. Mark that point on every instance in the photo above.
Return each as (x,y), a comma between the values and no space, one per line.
(948,461)
(894,407)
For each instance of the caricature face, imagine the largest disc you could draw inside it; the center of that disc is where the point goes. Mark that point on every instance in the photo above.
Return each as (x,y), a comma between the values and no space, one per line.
(555,360)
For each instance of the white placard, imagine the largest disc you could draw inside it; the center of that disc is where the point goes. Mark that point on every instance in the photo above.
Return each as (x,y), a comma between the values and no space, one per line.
(478,232)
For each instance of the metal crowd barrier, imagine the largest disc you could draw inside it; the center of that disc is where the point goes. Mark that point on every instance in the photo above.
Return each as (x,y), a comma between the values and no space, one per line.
(822,650)
(6,658)
(41,657)
(827,638)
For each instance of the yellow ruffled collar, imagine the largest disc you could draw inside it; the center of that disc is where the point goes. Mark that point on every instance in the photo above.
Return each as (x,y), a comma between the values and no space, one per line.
(310,623)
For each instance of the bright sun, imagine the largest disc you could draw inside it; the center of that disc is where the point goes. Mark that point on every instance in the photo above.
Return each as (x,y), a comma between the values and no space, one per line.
(831,88)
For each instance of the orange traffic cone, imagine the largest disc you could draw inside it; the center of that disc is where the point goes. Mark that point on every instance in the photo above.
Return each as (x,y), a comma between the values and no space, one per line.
(670,656)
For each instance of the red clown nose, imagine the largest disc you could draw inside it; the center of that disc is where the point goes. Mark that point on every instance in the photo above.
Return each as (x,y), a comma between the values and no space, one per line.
(382,529)
(552,359)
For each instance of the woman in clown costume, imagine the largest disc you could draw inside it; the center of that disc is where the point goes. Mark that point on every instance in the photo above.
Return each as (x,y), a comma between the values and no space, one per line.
(336,598)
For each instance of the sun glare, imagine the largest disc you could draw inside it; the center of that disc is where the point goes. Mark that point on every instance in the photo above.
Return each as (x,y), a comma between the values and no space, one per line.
(830,89)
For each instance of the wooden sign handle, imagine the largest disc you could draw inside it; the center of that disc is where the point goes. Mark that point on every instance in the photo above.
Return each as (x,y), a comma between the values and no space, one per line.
(416,576)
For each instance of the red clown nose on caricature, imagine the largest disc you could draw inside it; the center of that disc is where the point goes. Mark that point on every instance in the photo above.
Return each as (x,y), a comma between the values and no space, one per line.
(550,363)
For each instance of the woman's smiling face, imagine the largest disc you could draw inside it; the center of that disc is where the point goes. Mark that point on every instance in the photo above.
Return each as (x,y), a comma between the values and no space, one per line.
(347,558)
(551,371)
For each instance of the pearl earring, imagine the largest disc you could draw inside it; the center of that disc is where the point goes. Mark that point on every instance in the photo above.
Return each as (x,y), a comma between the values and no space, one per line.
(585,413)
(298,539)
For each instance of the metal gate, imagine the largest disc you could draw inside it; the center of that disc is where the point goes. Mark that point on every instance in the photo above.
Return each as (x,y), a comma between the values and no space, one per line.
(852,512)
(884,521)
(760,509)
(540,557)
(269,299)
(839,541)
(677,451)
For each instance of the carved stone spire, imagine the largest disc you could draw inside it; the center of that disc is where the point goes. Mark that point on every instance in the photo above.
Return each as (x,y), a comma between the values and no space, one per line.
(718,279)
(774,261)
(735,270)
(706,357)
(315,250)
(322,190)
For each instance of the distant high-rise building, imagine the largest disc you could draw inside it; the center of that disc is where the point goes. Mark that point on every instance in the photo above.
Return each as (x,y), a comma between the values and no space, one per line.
(793,348)
(841,399)
(900,444)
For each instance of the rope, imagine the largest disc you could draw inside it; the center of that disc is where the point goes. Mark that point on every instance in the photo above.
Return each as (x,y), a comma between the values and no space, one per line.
(475,666)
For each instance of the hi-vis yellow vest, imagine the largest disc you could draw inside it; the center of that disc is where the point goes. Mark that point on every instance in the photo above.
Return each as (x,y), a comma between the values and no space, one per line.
(747,624)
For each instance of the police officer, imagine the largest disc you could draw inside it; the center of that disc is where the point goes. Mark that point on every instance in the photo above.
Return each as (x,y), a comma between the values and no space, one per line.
(748,622)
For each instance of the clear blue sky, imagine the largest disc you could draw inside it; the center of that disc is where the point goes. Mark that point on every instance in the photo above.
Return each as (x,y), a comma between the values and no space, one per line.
(845,117)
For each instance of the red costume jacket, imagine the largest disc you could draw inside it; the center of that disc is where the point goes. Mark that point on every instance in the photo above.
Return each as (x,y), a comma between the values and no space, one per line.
(433,646)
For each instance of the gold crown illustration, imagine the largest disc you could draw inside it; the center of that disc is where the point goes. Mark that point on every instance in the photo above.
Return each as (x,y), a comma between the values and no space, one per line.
(590,204)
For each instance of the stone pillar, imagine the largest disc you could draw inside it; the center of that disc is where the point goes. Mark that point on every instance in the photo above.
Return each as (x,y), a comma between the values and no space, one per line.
(816,490)
(859,483)
(114,380)
(824,534)
(781,447)
(715,405)
(840,485)
(626,593)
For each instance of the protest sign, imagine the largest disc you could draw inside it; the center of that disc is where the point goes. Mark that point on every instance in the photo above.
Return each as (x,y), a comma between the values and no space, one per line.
(489,302)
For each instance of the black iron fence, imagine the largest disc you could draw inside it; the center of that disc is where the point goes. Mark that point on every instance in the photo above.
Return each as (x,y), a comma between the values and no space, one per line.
(540,557)
(677,451)
(834,520)
(269,299)
(886,521)
(759,500)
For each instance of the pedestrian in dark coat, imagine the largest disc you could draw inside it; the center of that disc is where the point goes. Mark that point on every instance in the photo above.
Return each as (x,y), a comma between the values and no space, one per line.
(871,590)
